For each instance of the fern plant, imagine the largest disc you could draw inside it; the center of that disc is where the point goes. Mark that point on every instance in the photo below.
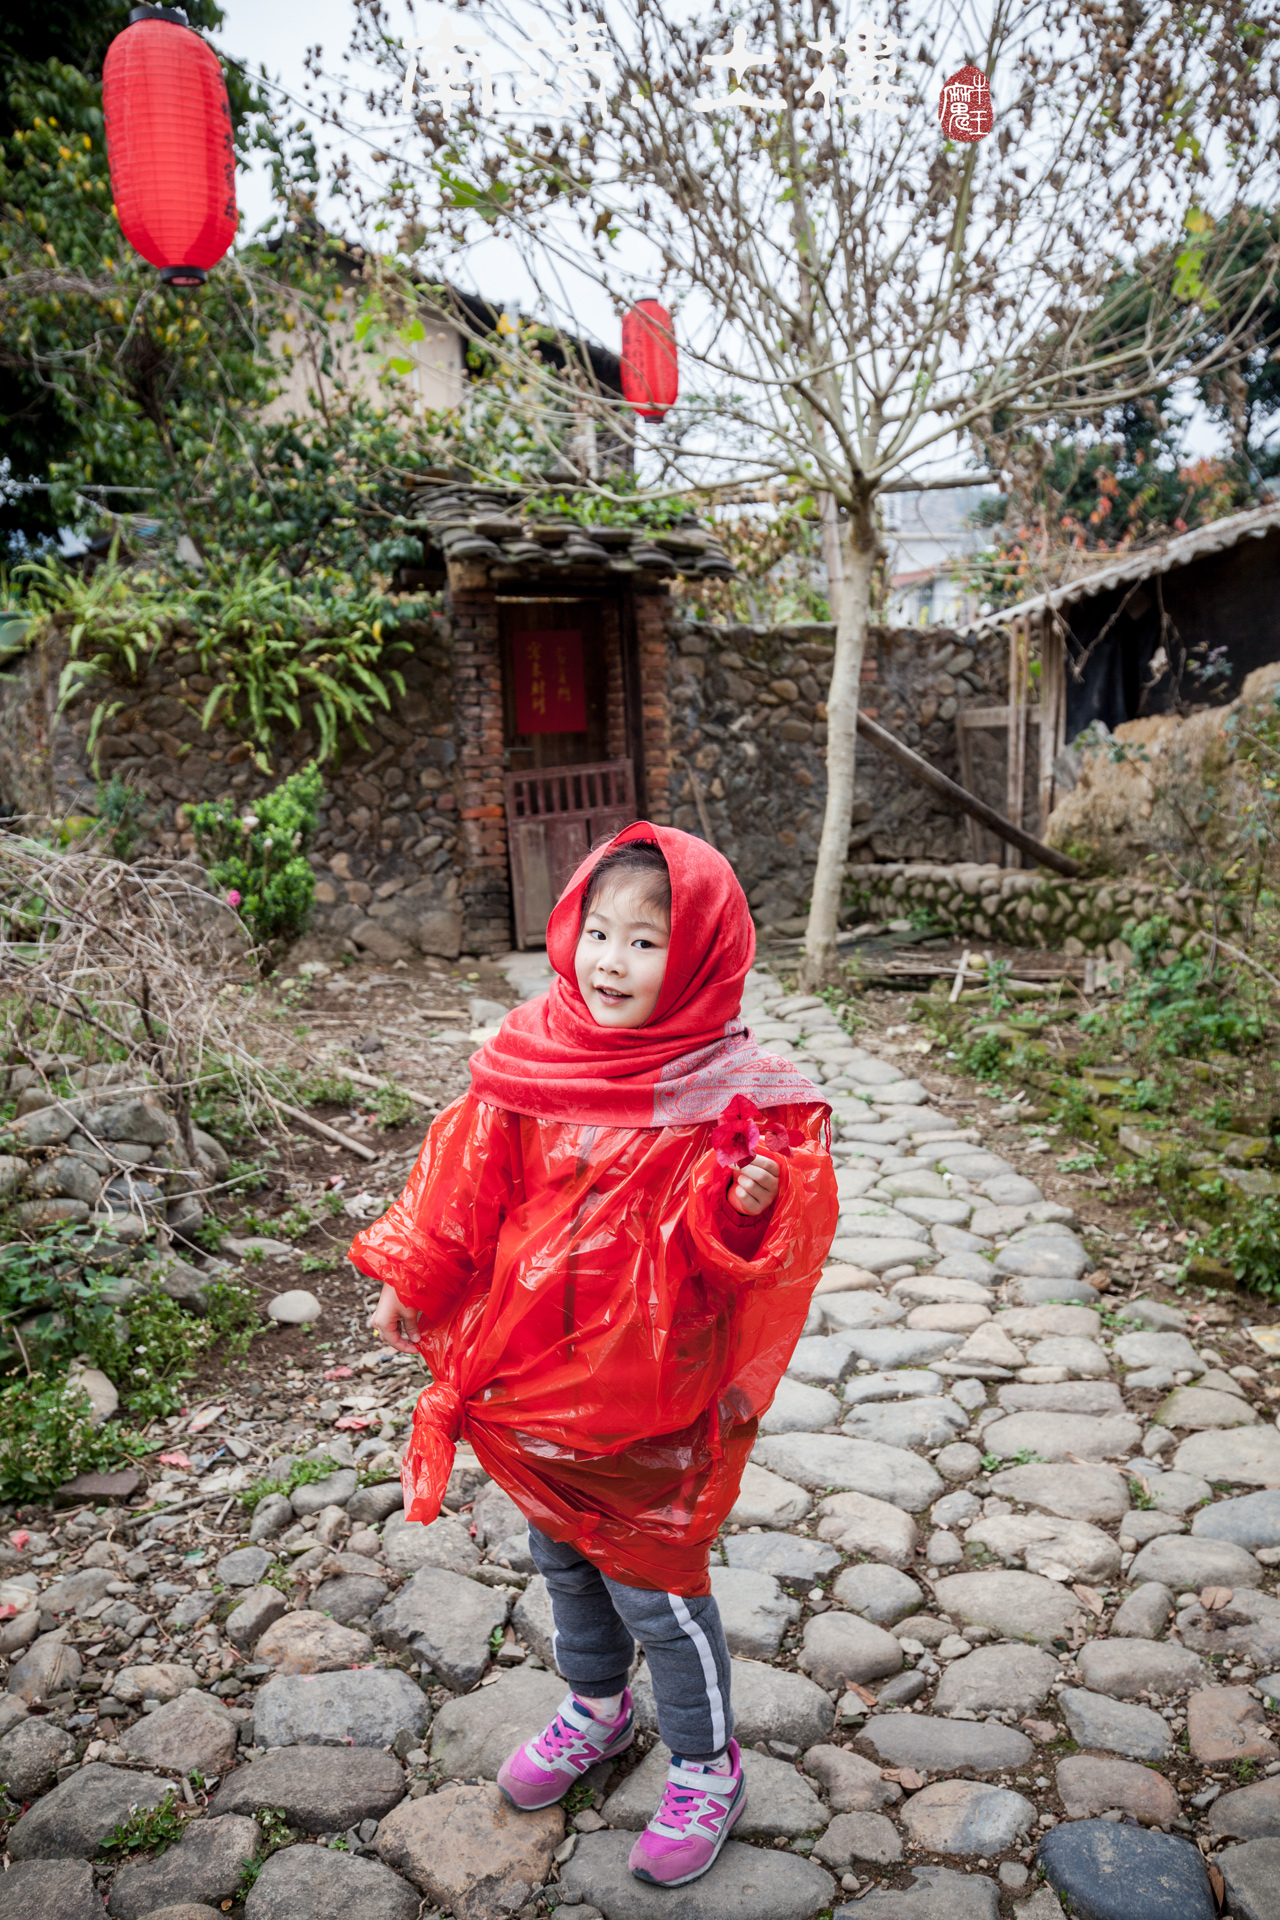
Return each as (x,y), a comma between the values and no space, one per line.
(273,649)
(115,620)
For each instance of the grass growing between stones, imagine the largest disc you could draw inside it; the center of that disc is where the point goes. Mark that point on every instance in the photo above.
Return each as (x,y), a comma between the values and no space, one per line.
(149,1830)
(1168,1076)
(280,1578)
(303,1473)
(275,1831)
(579,1797)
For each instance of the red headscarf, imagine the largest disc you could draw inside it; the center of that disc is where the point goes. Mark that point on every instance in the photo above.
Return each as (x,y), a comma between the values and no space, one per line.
(550,1059)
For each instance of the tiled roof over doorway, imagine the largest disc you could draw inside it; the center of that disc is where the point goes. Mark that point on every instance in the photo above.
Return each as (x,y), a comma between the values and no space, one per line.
(457,522)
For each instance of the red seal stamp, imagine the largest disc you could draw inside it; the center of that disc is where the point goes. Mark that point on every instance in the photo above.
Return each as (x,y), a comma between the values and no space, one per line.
(965,106)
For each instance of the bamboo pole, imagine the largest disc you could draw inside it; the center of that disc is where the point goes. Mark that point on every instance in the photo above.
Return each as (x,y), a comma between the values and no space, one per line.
(1053,703)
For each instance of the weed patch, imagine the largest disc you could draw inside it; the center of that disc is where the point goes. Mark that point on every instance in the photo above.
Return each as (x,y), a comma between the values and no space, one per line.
(152,1346)
(275,1831)
(257,860)
(393,1107)
(47,1435)
(303,1473)
(147,1830)
(1250,1243)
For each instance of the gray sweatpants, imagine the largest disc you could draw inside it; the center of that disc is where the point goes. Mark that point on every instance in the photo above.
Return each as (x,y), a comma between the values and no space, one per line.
(597,1624)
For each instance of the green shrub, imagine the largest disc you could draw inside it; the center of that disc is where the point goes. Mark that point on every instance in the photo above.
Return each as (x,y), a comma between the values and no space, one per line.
(1250,1243)
(280,655)
(60,1307)
(231,1315)
(258,860)
(982,1055)
(47,1436)
(1179,1011)
(208,1234)
(114,619)
(120,809)
(1074,1111)
(152,1346)
(59,1301)
(275,650)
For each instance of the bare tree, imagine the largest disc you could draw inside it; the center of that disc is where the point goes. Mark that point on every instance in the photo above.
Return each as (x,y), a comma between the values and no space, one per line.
(862,296)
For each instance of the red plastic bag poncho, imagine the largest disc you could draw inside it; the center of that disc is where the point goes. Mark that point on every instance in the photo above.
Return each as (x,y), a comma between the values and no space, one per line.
(599,1323)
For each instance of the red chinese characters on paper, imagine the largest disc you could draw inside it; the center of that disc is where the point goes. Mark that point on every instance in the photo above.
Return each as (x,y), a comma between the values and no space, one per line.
(965,107)
(550,685)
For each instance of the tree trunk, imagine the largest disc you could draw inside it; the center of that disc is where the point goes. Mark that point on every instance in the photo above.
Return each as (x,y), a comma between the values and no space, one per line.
(857,557)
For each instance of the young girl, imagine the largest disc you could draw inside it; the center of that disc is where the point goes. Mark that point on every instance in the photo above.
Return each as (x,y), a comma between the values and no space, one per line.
(607,1287)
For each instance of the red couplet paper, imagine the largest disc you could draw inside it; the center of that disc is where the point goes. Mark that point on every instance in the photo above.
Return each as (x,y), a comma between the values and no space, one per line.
(551,691)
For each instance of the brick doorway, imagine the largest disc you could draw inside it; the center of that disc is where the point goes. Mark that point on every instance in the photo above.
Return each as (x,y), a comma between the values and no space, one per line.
(570,737)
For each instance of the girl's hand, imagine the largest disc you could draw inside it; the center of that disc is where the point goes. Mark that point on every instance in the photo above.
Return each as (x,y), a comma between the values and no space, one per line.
(755,1186)
(395,1323)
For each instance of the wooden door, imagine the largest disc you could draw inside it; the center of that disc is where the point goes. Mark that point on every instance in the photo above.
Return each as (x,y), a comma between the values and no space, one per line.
(554,818)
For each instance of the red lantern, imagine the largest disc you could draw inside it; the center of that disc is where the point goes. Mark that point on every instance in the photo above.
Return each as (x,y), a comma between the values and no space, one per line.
(173,170)
(650,374)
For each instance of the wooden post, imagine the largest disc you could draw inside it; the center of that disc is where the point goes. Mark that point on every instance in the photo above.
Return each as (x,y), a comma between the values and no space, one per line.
(1019,663)
(929,776)
(1053,710)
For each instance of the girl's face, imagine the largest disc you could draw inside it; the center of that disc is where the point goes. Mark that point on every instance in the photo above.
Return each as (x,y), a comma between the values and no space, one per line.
(622,956)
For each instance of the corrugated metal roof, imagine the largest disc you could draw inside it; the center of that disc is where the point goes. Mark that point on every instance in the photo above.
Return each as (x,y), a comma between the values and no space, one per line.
(1141,563)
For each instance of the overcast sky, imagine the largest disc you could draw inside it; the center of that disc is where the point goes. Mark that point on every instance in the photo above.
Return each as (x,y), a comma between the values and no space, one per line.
(277,33)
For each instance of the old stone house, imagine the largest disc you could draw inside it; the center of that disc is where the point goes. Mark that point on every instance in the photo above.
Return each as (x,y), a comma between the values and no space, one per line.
(557,686)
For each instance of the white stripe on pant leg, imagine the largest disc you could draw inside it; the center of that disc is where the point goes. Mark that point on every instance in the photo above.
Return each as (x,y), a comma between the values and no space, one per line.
(705,1655)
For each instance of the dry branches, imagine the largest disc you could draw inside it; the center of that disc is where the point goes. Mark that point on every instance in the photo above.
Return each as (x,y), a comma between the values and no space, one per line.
(132,969)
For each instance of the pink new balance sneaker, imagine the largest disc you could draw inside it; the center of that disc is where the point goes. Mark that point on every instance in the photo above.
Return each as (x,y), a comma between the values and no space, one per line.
(697,1814)
(542,1772)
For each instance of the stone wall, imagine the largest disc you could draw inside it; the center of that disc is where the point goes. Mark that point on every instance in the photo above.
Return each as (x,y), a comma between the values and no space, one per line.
(411,852)
(748,738)
(412,847)
(113,1154)
(1024,909)
(390,859)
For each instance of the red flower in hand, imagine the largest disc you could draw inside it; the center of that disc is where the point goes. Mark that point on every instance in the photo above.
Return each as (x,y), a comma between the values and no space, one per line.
(737,1136)
(779,1139)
